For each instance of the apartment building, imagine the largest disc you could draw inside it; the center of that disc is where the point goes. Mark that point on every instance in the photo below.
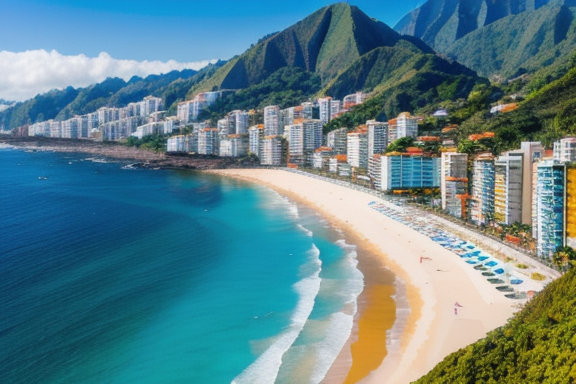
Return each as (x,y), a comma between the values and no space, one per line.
(272,121)
(255,137)
(508,176)
(406,126)
(178,144)
(454,183)
(481,203)
(401,171)
(208,141)
(565,149)
(338,140)
(274,151)
(550,206)
(357,148)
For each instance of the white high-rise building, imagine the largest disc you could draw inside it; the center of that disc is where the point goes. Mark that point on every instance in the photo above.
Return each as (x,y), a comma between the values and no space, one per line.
(508,188)
(407,125)
(272,121)
(565,149)
(377,137)
(273,151)
(454,182)
(357,148)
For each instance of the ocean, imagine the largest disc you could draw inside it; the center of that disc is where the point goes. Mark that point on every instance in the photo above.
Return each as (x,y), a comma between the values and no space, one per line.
(114,275)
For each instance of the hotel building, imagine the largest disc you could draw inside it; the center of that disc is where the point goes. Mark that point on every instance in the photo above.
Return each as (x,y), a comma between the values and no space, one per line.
(481,203)
(454,183)
(401,171)
(550,206)
(508,188)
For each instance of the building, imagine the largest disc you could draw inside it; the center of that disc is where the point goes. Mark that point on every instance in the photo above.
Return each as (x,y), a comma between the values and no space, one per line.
(189,111)
(274,151)
(407,126)
(402,171)
(234,146)
(338,140)
(375,171)
(353,99)
(481,203)
(208,141)
(377,137)
(303,139)
(454,183)
(255,138)
(272,121)
(178,144)
(508,188)
(321,156)
(550,206)
(571,206)
(565,149)
(357,148)
(532,152)
(392,130)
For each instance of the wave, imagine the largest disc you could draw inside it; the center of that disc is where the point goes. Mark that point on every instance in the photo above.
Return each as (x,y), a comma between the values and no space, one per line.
(265,369)
(394,334)
(308,232)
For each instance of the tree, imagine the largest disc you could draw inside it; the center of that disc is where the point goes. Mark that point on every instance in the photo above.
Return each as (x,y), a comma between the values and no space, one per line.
(401,144)
(564,257)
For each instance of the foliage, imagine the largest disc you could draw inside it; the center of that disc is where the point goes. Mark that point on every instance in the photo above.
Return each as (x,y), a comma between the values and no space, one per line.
(536,346)
(287,87)
(401,144)
(156,143)
(564,257)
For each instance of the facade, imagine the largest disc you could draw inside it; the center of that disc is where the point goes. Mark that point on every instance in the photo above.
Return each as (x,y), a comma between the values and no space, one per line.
(255,138)
(454,183)
(338,140)
(400,171)
(321,156)
(208,141)
(565,149)
(274,150)
(353,99)
(178,144)
(377,137)
(303,139)
(357,148)
(550,206)
(508,188)
(571,206)
(481,204)
(407,126)
(532,152)
(375,171)
(272,121)
(392,130)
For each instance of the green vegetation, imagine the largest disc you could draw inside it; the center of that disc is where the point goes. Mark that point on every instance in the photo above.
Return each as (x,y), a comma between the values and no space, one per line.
(401,144)
(564,258)
(538,345)
(156,143)
(287,87)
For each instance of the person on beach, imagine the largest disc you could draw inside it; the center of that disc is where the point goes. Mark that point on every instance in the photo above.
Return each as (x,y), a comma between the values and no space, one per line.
(456,305)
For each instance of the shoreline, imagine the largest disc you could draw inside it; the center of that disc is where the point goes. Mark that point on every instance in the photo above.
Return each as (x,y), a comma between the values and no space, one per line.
(432,330)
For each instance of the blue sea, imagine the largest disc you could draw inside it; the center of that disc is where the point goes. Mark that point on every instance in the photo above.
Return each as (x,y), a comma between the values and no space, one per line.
(114,275)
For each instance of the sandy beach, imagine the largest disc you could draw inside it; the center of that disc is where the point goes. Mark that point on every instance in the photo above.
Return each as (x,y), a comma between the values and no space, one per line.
(433,285)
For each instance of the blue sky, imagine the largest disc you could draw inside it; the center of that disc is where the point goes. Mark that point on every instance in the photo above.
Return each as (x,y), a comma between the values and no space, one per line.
(129,32)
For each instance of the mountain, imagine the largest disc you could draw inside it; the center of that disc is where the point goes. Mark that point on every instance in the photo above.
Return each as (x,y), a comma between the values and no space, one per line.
(346,51)
(66,103)
(337,50)
(536,346)
(503,37)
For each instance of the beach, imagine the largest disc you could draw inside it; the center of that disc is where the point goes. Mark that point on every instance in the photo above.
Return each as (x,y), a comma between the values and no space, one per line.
(450,304)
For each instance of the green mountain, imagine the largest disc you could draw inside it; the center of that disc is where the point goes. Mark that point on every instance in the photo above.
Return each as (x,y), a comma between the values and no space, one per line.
(546,115)
(325,43)
(338,50)
(538,345)
(66,103)
(504,37)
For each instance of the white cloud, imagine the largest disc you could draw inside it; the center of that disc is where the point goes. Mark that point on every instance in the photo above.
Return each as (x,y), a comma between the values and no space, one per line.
(25,74)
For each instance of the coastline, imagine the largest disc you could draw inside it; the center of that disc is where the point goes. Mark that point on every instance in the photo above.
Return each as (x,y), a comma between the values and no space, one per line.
(432,330)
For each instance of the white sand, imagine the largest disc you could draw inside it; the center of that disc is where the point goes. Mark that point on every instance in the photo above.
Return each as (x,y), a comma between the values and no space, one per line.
(433,286)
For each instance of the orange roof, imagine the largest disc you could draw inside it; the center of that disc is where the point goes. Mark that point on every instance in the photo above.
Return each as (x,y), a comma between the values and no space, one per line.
(324,149)
(341,158)
(260,126)
(509,107)
(450,178)
(377,156)
(485,135)
(235,136)
(393,121)
(414,150)
(448,129)
(429,138)
(299,121)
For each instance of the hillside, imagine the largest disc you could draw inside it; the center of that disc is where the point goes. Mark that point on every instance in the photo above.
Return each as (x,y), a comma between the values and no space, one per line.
(505,37)
(63,104)
(546,115)
(537,346)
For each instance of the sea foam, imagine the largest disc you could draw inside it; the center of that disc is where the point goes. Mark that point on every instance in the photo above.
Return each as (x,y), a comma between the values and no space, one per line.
(265,369)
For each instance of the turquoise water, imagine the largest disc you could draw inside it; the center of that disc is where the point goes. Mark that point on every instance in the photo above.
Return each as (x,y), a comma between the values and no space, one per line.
(110,275)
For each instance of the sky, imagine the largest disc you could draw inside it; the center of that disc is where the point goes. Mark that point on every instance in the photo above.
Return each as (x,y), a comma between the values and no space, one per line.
(47,44)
